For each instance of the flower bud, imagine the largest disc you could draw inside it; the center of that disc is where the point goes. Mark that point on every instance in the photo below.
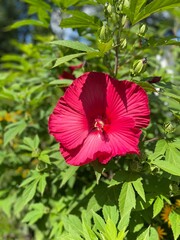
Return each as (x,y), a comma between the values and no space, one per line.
(118,8)
(169,128)
(109,8)
(104,33)
(123,20)
(143,29)
(123,43)
(139,66)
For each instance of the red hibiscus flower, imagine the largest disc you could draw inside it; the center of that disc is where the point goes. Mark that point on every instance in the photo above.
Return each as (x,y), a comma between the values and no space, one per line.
(99,117)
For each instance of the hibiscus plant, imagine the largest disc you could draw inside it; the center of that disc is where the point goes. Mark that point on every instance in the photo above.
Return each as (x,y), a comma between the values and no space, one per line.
(90,145)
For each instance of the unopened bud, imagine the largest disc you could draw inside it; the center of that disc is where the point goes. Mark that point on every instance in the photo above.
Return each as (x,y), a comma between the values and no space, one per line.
(169,128)
(104,33)
(143,29)
(123,20)
(139,66)
(109,8)
(123,43)
(118,8)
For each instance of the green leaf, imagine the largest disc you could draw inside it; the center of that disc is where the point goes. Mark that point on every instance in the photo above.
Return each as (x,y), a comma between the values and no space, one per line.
(139,188)
(153,234)
(80,20)
(135,7)
(69,172)
(61,82)
(160,149)
(111,212)
(157,206)
(72,224)
(173,155)
(121,235)
(105,46)
(67,58)
(144,235)
(13,130)
(124,221)
(167,167)
(69,3)
(87,231)
(32,144)
(110,231)
(25,22)
(104,1)
(42,183)
(99,223)
(171,95)
(127,199)
(74,45)
(147,86)
(34,215)
(174,219)
(29,179)
(44,157)
(154,6)
(27,196)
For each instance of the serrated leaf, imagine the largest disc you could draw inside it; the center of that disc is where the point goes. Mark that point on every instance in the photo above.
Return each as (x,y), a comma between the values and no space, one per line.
(161,147)
(72,224)
(27,196)
(144,235)
(173,155)
(124,221)
(139,188)
(80,20)
(167,167)
(147,86)
(74,45)
(42,183)
(127,199)
(99,223)
(26,22)
(13,130)
(67,58)
(135,7)
(110,231)
(174,219)
(69,172)
(34,215)
(155,6)
(157,206)
(32,143)
(44,157)
(88,234)
(29,179)
(153,234)
(105,47)
(121,235)
(111,212)
(172,95)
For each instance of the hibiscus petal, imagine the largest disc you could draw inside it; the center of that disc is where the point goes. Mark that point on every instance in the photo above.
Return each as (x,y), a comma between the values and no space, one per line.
(94,147)
(126,98)
(88,94)
(123,137)
(68,126)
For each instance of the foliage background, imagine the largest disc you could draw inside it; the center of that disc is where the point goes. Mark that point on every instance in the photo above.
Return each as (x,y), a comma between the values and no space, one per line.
(41,197)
